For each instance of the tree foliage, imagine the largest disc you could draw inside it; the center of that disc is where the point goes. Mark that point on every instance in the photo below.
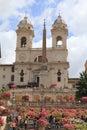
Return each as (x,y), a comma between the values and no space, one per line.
(1,91)
(82,86)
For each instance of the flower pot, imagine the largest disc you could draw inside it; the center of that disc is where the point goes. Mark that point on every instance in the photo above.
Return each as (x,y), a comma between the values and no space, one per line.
(41,127)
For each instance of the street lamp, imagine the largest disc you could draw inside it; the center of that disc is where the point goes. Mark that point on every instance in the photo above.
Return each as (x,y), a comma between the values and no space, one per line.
(42,94)
(13,98)
(64,83)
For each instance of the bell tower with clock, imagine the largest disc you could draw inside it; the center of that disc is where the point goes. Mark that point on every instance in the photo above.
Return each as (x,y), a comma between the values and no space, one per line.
(59,33)
(25,34)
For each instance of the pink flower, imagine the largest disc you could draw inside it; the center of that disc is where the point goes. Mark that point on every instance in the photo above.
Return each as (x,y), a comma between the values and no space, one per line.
(2,102)
(53,85)
(69,126)
(6,95)
(42,122)
(64,120)
(43,113)
(13,86)
(31,113)
(6,111)
(1,121)
(84,99)
(32,109)
(25,97)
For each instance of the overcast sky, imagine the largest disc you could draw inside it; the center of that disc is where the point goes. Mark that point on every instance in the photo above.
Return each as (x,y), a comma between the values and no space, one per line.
(73,12)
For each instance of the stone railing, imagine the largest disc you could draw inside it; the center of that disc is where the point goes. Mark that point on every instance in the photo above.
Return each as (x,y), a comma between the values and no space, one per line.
(45,90)
(40,104)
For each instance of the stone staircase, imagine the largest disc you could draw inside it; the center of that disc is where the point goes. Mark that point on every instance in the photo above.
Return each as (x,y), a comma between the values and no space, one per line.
(6,127)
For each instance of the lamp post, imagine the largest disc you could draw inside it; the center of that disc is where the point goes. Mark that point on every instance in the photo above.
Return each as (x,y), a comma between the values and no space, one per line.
(13,99)
(42,94)
(64,83)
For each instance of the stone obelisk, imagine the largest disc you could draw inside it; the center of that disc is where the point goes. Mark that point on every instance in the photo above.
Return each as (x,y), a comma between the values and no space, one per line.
(44,71)
(44,45)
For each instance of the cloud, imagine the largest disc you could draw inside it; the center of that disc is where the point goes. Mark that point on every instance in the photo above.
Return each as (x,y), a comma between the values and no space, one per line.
(77,54)
(75,14)
(4,25)
(9,8)
(8,45)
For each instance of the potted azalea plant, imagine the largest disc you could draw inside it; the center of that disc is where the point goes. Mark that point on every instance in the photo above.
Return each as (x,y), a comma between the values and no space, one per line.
(69,126)
(1,121)
(13,86)
(25,98)
(48,98)
(2,103)
(6,95)
(84,99)
(54,85)
(42,121)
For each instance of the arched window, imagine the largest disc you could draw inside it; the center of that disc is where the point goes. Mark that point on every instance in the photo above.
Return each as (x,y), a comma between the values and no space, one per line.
(23,41)
(59,41)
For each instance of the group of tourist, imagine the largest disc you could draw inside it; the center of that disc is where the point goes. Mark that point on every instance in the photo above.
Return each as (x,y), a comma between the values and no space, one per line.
(16,121)
(19,122)
(27,118)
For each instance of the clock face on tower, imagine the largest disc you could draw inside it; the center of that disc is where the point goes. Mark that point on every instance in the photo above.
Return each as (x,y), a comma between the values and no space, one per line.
(22,57)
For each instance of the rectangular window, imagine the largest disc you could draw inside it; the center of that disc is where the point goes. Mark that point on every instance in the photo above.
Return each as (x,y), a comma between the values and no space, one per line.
(12,69)
(40,59)
(58,79)
(3,76)
(3,69)
(12,78)
(38,79)
(21,79)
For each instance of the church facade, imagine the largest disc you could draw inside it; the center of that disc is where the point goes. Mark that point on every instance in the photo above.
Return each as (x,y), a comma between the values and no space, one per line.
(39,66)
